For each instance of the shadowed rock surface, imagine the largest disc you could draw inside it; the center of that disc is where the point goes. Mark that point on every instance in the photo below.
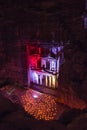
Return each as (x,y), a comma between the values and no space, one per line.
(72,79)
(13,117)
(80,123)
(68,116)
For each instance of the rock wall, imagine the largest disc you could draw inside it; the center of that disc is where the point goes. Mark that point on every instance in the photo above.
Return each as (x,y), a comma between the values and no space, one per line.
(14,67)
(72,78)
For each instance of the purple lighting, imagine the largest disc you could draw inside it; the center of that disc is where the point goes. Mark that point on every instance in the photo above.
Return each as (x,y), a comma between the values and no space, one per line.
(43,66)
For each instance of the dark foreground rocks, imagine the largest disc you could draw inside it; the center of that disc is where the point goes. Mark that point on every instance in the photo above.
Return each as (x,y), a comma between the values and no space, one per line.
(13,117)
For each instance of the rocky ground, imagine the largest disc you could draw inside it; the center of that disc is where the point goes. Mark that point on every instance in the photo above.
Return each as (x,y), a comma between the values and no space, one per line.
(14,117)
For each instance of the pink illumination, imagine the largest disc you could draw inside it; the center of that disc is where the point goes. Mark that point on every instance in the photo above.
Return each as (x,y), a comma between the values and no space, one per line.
(35,96)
